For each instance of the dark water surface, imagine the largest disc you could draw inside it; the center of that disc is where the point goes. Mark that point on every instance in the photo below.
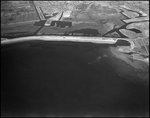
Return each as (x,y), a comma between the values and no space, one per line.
(46,79)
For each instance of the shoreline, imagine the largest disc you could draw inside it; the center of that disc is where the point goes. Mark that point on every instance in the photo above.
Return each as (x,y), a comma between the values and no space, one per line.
(100,40)
(96,40)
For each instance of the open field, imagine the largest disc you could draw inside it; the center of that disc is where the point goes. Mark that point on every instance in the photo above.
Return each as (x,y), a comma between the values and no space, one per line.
(86,20)
(8,30)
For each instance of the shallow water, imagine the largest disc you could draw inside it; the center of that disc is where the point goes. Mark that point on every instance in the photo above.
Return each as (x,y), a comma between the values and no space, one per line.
(55,79)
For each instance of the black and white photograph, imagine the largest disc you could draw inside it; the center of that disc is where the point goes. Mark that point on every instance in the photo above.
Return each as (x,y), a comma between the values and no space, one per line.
(74,58)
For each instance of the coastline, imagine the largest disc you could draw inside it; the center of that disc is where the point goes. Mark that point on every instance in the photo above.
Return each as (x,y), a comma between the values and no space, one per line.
(100,40)
(96,40)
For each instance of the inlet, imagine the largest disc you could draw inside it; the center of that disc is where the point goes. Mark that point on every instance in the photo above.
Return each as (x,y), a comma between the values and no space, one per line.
(122,43)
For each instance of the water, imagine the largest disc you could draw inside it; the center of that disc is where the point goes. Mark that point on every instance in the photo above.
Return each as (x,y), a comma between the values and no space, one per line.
(135,30)
(53,79)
